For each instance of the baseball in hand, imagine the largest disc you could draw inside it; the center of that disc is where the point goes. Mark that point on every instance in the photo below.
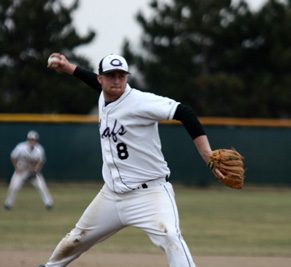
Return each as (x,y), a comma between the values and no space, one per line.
(53,62)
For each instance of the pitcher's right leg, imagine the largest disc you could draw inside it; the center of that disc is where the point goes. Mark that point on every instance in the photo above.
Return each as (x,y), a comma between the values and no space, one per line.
(99,221)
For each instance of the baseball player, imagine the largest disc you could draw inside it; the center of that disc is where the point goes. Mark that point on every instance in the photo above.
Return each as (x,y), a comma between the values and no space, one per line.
(137,191)
(28,158)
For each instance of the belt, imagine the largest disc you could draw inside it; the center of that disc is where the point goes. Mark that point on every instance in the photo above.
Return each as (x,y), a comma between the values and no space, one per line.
(153,182)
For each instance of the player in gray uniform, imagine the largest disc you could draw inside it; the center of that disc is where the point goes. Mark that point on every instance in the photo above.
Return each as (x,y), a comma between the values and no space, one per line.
(137,191)
(28,159)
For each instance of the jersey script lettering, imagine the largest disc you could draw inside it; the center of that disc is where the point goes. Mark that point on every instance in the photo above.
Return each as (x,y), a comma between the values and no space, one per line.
(114,132)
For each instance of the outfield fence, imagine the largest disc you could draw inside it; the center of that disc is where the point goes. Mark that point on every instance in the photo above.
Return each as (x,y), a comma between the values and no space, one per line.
(73,148)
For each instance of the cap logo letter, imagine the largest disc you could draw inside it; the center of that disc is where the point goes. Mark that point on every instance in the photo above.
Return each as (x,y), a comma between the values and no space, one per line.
(115,62)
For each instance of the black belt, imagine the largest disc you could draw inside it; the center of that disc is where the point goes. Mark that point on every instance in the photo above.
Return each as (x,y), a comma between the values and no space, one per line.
(144,185)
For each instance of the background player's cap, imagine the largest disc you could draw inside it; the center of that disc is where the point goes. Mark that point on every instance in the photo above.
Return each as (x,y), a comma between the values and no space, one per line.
(113,63)
(32,135)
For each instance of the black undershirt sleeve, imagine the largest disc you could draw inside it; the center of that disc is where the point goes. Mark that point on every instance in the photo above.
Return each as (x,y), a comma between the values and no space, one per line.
(88,77)
(187,116)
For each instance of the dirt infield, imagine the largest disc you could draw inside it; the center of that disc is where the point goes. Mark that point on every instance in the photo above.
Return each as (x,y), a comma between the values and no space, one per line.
(94,259)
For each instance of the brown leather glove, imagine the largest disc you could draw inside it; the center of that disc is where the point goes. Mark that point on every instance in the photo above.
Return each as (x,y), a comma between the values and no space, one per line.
(230,163)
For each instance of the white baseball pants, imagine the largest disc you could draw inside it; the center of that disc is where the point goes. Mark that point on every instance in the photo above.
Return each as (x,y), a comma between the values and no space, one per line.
(152,209)
(17,181)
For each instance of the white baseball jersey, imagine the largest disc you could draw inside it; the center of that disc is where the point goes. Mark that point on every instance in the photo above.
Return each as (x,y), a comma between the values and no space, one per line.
(130,141)
(27,157)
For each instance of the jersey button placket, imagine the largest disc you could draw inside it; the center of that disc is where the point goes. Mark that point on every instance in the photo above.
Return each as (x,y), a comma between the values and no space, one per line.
(109,153)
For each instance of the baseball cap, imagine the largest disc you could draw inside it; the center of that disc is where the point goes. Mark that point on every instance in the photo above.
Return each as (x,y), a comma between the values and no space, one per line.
(32,135)
(113,63)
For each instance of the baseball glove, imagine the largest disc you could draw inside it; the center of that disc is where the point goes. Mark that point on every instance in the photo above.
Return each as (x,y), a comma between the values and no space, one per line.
(230,163)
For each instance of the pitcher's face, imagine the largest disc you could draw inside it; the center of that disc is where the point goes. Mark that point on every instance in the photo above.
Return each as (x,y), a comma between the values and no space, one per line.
(113,84)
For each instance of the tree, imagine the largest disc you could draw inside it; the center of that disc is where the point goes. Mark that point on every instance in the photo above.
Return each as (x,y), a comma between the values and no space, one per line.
(222,59)
(29,31)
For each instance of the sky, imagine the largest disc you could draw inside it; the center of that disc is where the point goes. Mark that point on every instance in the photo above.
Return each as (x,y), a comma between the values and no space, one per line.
(113,21)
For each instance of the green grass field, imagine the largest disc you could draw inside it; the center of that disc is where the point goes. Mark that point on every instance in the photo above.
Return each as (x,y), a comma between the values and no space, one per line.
(215,221)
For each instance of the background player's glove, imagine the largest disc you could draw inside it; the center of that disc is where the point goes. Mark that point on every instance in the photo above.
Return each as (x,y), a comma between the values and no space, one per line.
(33,174)
(230,164)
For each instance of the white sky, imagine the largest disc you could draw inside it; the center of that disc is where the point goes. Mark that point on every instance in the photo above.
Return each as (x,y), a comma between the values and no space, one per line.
(113,21)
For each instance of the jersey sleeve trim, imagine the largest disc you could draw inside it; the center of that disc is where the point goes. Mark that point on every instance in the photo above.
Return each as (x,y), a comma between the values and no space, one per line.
(173,111)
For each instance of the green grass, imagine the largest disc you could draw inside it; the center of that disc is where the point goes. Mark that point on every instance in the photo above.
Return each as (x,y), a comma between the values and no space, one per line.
(216,221)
